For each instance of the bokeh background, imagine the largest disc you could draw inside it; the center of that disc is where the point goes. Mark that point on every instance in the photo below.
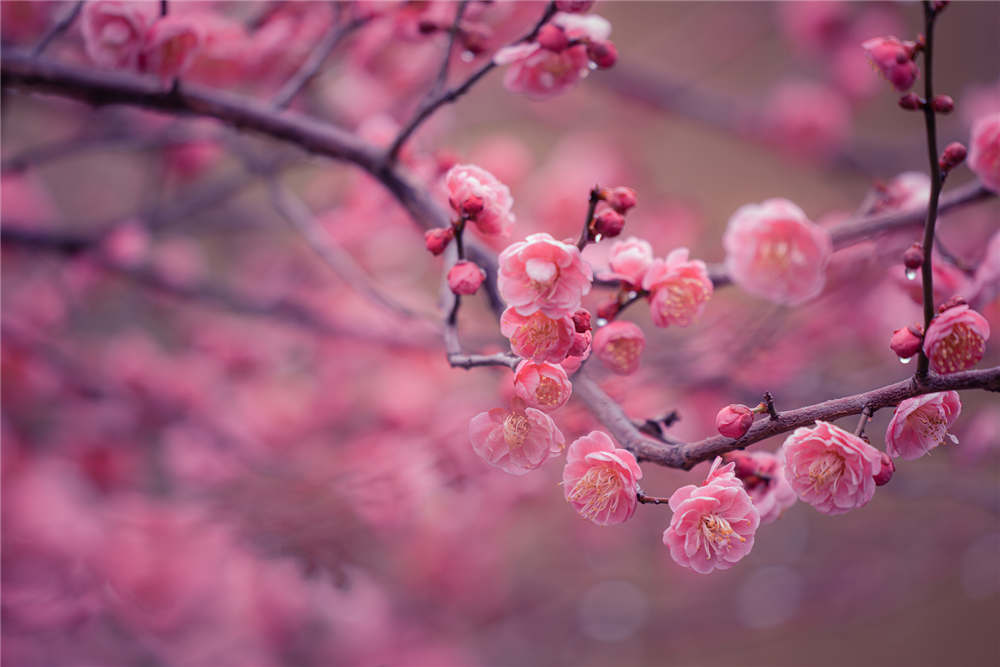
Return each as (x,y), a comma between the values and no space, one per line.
(220,449)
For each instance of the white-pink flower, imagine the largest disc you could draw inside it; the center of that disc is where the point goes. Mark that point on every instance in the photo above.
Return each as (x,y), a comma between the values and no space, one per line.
(543,274)
(476,192)
(542,385)
(921,423)
(629,260)
(536,336)
(984,151)
(714,524)
(171,46)
(114,32)
(775,252)
(601,480)
(679,289)
(515,440)
(829,468)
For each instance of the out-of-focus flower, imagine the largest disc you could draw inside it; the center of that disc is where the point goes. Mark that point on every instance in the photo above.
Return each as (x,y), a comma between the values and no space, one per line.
(629,260)
(807,119)
(619,344)
(775,252)
(171,46)
(763,477)
(893,59)
(679,289)
(601,480)
(984,152)
(956,339)
(542,385)
(477,193)
(829,468)
(921,423)
(516,440)
(114,33)
(714,524)
(543,274)
(536,336)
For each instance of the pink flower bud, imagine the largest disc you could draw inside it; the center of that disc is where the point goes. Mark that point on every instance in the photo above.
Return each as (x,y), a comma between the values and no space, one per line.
(542,385)
(733,421)
(581,344)
(905,343)
(609,223)
(618,345)
(465,278)
(885,474)
(943,104)
(436,240)
(984,156)
(472,207)
(608,310)
(913,258)
(956,339)
(953,155)
(911,102)
(581,320)
(467,183)
(574,6)
(621,198)
(552,38)
(893,59)
(604,54)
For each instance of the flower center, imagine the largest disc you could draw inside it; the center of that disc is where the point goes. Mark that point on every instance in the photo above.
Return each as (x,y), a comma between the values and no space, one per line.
(542,273)
(623,351)
(717,534)
(515,430)
(826,470)
(598,490)
(930,426)
(962,348)
(548,391)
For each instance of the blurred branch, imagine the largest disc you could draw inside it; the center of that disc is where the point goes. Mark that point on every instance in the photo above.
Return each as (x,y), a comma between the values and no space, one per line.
(61,26)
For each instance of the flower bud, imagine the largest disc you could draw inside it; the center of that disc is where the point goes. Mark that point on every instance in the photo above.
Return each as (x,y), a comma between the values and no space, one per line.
(609,223)
(885,474)
(911,102)
(603,53)
(608,310)
(913,258)
(472,207)
(581,320)
(465,277)
(943,104)
(906,342)
(427,27)
(621,198)
(574,6)
(733,421)
(552,38)
(438,239)
(953,155)
(581,343)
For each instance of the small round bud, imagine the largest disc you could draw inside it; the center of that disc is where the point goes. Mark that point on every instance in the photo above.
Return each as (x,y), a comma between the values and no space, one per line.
(608,310)
(475,39)
(953,302)
(603,53)
(911,102)
(943,104)
(906,342)
(885,474)
(733,421)
(552,38)
(581,320)
(438,239)
(913,258)
(472,207)
(581,343)
(621,198)
(574,6)
(609,223)
(953,155)
(465,277)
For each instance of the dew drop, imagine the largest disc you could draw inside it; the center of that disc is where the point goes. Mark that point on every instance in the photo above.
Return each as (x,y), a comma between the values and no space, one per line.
(601,321)
(467,56)
(905,360)
(597,238)
(632,295)
(911,274)
(592,65)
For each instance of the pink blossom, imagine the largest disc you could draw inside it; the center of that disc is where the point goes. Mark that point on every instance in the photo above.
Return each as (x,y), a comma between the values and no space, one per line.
(588,28)
(956,339)
(542,274)
(536,336)
(465,277)
(114,32)
(542,385)
(714,524)
(984,152)
(911,189)
(808,119)
(629,260)
(171,46)
(893,59)
(921,423)
(515,440)
(467,182)
(733,421)
(541,74)
(829,468)
(601,480)
(619,344)
(768,488)
(679,289)
(775,252)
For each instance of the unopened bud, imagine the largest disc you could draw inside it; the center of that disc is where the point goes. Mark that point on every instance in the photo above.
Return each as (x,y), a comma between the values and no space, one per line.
(552,38)
(621,198)
(885,473)
(609,223)
(574,6)
(913,258)
(438,239)
(581,343)
(906,342)
(465,277)
(733,421)
(581,320)
(911,102)
(953,155)
(943,104)
(603,53)
(608,310)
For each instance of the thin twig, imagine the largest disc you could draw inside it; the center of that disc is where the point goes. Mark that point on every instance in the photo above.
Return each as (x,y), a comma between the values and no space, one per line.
(442,76)
(61,26)
(866,415)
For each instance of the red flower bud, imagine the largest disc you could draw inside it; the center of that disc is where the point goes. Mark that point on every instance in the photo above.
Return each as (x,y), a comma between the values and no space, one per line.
(953,155)
(621,198)
(609,223)
(581,320)
(943,104)
(472,207)
(733,421)
(603,53)
(905,342)
(438,239)
(465,278)
(885,474)
(552,38)
(911,102)
(608,310)
(913,258)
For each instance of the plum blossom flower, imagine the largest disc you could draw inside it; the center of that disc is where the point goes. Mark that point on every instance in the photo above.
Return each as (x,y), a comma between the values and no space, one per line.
(538,337)
(714,524)
(170,47)
(619,345)
(476,192)
(543,274)
(956,339)
(516,440)
(679,289)
(984,151)
(601,480)
(921,423)
(763,477)
(542,385)
(829,468)
(629,260)
(775,252)
(114,32)
(893,59)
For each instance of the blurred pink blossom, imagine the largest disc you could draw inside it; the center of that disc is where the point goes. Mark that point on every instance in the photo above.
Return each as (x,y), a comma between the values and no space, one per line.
(984,151)
(466,182)
(619,345)
(170,46)
(893,59)
(679,289)
(516,440)
(114,33)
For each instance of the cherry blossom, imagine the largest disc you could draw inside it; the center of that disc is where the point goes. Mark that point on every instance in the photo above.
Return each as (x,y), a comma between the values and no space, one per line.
(601,480)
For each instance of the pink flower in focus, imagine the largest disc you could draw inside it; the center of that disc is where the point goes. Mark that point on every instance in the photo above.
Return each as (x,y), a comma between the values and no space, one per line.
(905,343)
(542,385)
(984,151)
(536,336)
(921,423)
(893,59)
(629,260)
(619,344)
(465,183)
(679,289)
(542,274)
(769,490)
(733,421)
(465,277)
(114,32)
(829,468)
(714,524)
(601,480)
(956,339)
(775,252)
(171,46)
(515,440)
